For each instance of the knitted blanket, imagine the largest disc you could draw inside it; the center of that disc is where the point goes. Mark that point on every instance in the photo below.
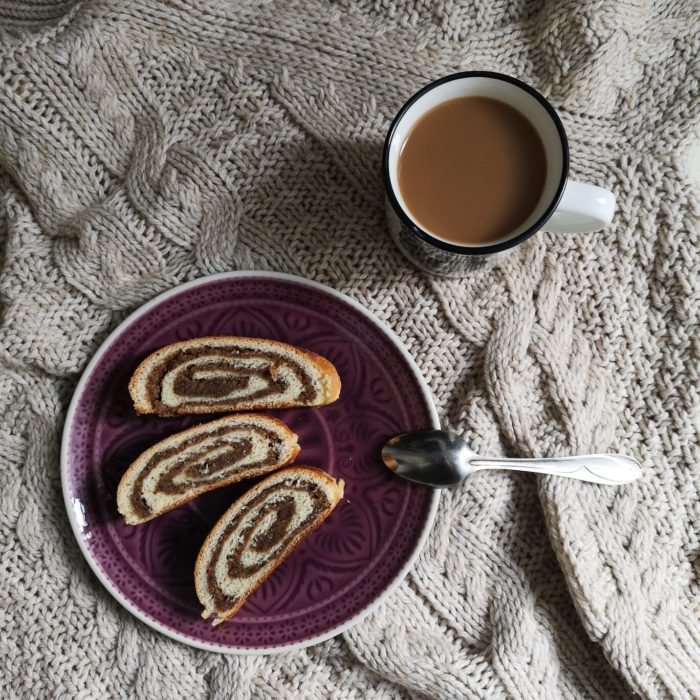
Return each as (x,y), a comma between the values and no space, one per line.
(143,144)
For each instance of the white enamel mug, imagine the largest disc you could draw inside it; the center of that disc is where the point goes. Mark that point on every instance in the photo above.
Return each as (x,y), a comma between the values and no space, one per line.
(565,206)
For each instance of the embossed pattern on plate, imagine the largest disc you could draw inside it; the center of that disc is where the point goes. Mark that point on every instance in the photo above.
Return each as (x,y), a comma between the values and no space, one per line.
(343,568)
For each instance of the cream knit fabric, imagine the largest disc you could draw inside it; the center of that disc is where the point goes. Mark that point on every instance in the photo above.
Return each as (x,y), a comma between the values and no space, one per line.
(143,144)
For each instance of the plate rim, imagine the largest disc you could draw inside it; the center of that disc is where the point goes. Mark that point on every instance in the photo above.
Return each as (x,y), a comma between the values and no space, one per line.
(77,528)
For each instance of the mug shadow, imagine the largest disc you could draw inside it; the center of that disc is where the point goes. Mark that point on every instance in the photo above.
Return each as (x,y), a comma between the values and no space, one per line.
(334,217)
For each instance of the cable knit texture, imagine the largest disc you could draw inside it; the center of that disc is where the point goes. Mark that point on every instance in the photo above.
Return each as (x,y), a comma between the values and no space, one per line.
(143,144)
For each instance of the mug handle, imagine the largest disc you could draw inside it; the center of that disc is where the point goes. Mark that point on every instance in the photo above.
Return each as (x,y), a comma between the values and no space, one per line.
(582,208)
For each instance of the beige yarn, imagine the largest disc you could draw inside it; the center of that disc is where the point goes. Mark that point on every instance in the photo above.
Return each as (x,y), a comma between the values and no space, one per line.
(143,144)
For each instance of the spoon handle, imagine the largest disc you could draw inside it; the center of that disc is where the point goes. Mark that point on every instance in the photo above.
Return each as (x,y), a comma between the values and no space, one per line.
(600,469)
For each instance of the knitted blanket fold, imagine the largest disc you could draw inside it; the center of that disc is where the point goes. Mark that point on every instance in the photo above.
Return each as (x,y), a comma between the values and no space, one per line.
(143,144)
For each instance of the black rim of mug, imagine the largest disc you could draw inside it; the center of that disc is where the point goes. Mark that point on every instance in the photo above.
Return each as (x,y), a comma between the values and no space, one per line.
(503,245)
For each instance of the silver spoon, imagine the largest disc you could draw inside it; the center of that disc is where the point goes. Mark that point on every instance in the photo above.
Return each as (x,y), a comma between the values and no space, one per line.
(441,458)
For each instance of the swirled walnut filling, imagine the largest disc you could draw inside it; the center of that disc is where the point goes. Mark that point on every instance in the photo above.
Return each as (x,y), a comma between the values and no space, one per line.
(259,533)
(226,376)
(196,464)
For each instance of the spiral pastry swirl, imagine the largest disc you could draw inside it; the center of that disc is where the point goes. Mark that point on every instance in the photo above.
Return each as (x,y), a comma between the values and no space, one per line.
(257,533)
(228,373)
(200,459)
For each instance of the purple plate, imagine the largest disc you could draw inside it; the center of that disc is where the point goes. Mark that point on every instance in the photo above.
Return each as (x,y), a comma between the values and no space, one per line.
(343,570)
